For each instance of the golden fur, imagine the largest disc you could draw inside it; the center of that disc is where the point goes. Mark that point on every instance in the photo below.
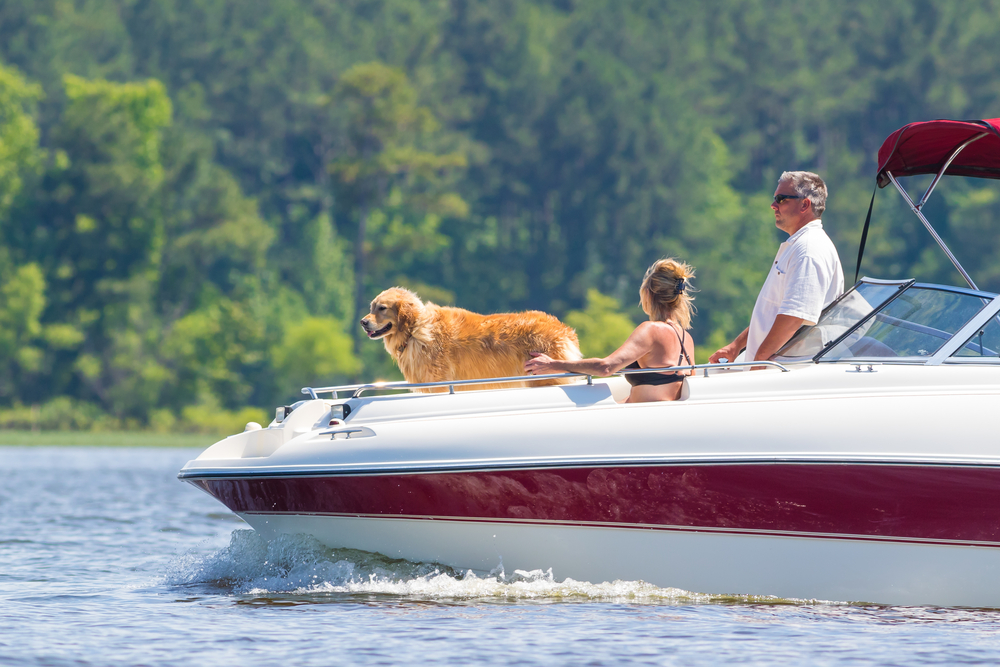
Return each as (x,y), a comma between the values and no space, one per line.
(432,343)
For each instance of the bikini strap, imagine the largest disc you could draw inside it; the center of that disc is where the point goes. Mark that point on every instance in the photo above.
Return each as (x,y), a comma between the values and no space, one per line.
(683,354)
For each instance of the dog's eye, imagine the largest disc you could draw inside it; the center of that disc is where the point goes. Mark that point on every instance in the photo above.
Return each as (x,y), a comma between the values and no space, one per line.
(382,308)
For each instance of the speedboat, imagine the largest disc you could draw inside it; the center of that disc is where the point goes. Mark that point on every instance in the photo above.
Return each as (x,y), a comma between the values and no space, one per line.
(856,466)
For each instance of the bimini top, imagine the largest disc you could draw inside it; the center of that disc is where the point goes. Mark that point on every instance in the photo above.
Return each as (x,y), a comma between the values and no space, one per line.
(925,147)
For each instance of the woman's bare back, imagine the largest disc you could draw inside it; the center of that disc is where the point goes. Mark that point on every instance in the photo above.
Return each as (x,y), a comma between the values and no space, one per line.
(665,352)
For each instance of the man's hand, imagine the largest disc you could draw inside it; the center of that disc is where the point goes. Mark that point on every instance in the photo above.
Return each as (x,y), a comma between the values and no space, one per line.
(732,350)
(728,353)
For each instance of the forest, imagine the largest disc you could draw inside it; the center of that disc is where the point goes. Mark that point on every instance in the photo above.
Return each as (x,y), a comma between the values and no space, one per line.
(198,198)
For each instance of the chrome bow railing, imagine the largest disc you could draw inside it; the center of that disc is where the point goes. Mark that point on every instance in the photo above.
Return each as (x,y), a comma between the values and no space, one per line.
(358,389)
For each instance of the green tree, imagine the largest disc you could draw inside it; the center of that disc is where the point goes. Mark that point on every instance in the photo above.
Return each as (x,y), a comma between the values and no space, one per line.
(99,232)
(602,326)
(102,219)
(22,287)
(384,163)
(315,352)
(214,235)
(22,300)
(19,152)
(212,351)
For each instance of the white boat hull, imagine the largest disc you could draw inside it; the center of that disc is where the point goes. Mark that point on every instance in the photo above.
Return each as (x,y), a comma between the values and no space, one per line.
(789,567)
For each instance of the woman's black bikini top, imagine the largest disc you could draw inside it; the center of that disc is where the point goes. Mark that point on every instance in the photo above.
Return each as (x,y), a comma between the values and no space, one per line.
(657,379)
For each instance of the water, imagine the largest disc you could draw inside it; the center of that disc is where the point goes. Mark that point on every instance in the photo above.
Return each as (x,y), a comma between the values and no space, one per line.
(107,559)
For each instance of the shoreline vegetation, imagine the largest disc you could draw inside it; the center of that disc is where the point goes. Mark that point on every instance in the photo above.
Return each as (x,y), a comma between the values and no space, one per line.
(64,421)
(22,438)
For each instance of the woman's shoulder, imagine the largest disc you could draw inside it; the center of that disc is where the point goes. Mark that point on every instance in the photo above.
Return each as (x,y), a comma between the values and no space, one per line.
(666,330)
(661,326)
(653,328)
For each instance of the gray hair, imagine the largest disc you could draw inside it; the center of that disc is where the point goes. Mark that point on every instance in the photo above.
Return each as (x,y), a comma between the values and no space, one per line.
(809,185)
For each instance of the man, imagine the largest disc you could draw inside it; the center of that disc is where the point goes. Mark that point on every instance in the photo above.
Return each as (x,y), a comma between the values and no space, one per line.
(805,277)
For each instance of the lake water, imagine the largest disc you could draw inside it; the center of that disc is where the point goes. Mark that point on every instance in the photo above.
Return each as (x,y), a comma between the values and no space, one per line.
(107,559)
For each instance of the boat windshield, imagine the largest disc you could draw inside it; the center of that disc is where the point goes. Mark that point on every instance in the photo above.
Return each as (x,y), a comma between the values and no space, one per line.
(839,317)
(883,320)
(984,343)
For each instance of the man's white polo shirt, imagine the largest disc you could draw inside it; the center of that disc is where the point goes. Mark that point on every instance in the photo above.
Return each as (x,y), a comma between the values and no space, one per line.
(805,278)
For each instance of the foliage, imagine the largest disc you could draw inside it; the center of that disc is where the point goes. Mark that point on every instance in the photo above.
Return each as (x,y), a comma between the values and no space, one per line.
(197,198)
(59,414)
(67,414)
(22,300)
(65,438)
(602,327)
(211,418)
(315,352)
(386,176)
(19,154)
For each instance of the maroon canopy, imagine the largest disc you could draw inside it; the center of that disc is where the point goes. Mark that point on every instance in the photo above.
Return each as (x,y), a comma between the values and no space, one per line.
(924,147)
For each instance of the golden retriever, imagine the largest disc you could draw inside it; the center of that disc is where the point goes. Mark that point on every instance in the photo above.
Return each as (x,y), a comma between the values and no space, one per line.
(432,343)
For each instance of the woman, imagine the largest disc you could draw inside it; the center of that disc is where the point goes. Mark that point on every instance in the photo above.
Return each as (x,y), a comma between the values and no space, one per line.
(658,343)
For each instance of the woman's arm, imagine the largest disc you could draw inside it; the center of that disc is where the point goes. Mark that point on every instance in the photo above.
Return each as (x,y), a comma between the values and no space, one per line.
(543,364)
(635,346)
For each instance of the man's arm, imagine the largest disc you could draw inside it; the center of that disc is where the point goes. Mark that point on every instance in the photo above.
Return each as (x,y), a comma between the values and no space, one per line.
(782,330)
(732,350)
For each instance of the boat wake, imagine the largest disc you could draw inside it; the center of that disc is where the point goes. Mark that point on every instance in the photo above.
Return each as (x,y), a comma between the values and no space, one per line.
(298,565)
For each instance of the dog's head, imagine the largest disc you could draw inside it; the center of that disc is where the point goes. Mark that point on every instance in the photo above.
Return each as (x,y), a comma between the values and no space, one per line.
(392,313)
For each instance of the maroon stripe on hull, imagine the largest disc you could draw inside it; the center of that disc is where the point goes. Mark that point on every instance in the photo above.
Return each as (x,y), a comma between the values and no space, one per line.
(915,502)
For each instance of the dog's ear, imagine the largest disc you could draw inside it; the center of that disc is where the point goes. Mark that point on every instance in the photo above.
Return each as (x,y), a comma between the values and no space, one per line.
(407,309)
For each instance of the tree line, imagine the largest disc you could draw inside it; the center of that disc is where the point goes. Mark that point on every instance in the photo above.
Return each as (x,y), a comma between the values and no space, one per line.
(199,197)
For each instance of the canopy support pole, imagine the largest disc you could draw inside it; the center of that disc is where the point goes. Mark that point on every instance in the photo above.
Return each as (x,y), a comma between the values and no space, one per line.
(930,188)
(927,224)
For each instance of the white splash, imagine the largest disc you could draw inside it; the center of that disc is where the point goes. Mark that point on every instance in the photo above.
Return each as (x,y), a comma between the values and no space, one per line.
(300,565)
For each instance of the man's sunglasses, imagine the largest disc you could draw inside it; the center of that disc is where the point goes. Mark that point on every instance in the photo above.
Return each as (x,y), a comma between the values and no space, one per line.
(780,199)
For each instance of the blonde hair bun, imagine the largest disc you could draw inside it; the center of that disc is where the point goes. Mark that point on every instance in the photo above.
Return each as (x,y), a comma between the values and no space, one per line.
(666,291)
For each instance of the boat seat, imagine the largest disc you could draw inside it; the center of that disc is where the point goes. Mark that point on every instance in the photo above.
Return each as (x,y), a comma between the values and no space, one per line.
(870,347)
